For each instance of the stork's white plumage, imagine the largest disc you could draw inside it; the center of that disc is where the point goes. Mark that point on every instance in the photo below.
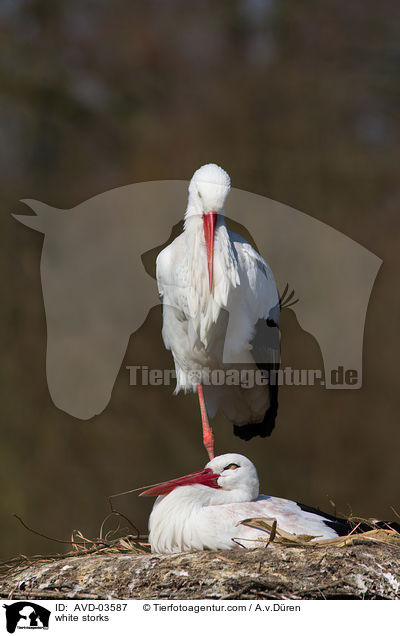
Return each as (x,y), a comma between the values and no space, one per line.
(216,289)
(203,510)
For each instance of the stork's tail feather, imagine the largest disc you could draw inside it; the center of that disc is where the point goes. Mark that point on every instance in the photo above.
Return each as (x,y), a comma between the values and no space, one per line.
(343,527)
(266,426)
(262,429)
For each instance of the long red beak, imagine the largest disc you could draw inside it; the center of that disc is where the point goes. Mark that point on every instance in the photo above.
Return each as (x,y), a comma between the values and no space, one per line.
(209,221)
(205,477)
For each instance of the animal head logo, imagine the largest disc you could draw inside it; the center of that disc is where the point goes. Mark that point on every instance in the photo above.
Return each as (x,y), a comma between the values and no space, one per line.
(26,615)
(97,291)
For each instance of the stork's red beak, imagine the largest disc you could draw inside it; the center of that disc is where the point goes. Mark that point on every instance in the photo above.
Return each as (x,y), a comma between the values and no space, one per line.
(209,221)
(205,477)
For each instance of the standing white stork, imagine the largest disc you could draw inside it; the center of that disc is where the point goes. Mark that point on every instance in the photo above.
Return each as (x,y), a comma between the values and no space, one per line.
(215,290)
(203,510)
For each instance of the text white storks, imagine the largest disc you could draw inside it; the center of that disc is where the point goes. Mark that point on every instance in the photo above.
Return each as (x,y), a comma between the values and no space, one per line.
(203,510)
(215,290)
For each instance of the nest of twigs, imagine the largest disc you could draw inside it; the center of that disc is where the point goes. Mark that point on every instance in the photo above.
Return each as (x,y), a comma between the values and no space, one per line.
(121,540)
(117,540)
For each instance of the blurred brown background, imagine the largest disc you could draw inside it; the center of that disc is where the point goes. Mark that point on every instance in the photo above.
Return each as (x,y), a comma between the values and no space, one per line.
(300,103)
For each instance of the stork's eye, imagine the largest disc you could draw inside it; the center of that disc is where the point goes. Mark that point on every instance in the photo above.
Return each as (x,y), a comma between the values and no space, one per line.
(231,467)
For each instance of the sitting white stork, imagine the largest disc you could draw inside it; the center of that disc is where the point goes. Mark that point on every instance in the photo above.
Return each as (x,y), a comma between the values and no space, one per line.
(217,293)
(203,510)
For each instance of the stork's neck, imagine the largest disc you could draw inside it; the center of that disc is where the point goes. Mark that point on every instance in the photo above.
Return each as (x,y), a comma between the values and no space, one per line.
(202,300)
(191,499)
(194,229)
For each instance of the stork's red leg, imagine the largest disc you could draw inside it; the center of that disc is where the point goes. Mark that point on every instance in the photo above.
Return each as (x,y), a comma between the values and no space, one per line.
(208,437)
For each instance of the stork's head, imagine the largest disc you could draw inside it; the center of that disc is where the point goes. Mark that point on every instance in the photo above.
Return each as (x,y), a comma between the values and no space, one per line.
(208,190)
(236,473)
(233,475)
